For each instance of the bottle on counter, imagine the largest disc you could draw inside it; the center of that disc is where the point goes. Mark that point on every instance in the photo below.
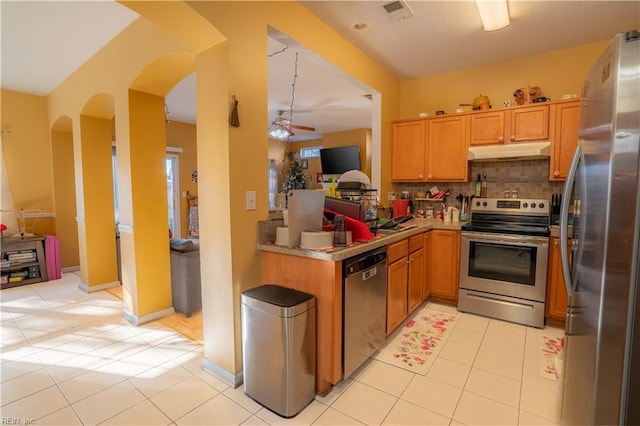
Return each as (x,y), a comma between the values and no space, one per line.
(339,234)
(478,186)
(483,188)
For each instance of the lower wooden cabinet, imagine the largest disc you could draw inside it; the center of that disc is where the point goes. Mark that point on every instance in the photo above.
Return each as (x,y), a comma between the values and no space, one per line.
(397,271)
(426,283)
(445,263)
(556,301)
(415,278)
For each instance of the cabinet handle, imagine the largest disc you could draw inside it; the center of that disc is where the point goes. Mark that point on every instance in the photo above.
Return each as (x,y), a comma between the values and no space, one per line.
(500,138)
(555,243)
(420,176)
(556,173)
(513,137)
(429,176)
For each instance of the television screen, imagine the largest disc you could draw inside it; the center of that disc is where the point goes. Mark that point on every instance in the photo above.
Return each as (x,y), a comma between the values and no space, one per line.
(335,161)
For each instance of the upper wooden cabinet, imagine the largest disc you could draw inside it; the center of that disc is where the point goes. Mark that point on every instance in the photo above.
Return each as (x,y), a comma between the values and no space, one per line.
(409,150)
(566,122)
(529,124)
(430,149)
(487,128)
(520,124)
(447,143)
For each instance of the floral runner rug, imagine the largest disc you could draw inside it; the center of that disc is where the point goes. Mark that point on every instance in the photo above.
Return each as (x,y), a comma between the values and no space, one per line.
(550,357)
(417,344)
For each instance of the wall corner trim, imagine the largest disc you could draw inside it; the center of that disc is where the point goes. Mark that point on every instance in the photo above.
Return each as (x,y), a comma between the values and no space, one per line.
(91,288)
(234,380)
(136,320)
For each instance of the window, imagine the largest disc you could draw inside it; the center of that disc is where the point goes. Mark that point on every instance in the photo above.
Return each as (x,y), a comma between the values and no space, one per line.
(310,152)
(273,183)
(173,193)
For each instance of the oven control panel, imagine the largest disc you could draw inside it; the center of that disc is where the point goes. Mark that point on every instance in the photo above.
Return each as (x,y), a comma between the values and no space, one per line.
(511,206)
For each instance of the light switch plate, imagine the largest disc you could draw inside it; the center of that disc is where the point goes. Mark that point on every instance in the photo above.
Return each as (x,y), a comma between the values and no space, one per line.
(251,200)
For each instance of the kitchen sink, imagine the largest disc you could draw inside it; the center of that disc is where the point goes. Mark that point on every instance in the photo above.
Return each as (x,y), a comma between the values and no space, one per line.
(394,231)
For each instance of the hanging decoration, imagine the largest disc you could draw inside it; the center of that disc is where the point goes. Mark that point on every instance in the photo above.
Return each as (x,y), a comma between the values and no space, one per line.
(234,120)
(281,127)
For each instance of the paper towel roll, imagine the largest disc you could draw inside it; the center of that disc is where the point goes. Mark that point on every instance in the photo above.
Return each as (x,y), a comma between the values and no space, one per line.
(316,239)
(282,236)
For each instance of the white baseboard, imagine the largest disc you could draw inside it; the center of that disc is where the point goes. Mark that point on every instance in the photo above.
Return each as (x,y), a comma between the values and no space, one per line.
(92,288)
(136,320)
(234,380)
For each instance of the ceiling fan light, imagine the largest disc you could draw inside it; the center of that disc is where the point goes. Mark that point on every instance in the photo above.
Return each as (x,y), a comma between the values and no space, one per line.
(278,132)
(493,13)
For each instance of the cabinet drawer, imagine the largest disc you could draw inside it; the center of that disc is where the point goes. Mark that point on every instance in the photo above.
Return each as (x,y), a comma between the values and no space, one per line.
(397,251)
(415,243)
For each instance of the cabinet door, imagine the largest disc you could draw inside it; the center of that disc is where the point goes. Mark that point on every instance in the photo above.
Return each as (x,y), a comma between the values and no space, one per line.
(565,138)
(556,303)
(415,279)
(426,283)
(529,124)
(409,151)
(396,293)
(445,260)
(487,127)
(448,140)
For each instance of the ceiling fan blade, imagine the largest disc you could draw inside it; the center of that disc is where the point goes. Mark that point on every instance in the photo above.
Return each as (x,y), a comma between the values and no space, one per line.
(296,126)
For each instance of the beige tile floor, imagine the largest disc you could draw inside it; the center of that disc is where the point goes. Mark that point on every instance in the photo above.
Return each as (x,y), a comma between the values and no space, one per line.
(68,358)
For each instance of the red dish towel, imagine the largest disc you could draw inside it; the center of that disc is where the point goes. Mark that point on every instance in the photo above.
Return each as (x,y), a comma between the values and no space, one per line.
(52,256)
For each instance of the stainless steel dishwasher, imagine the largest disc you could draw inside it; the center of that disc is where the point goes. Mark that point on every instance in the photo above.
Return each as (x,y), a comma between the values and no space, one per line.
(364,308)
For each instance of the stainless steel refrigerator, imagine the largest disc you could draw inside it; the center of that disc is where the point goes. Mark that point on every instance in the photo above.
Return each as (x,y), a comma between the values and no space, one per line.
(602,358)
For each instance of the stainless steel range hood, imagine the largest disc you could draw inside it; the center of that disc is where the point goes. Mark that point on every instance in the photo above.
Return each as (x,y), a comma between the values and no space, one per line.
(510,151)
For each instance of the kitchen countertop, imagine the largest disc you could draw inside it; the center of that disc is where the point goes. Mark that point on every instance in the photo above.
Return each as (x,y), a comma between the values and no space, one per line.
(416,226)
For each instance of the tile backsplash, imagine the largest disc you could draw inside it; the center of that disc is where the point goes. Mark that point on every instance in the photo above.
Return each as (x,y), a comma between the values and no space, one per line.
(529,177)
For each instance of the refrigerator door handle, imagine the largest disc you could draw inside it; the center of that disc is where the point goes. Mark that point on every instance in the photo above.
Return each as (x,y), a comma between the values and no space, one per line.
(564,217)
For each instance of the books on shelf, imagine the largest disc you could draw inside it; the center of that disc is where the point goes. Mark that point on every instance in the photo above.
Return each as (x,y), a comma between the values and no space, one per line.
(21,255)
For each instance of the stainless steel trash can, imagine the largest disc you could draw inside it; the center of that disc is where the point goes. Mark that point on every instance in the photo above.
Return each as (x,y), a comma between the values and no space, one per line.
(279,348)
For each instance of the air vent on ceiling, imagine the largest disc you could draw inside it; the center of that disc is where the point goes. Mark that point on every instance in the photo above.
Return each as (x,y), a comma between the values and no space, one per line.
(397,9)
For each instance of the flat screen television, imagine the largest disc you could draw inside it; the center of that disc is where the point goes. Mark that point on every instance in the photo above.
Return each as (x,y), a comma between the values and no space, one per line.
(335,161)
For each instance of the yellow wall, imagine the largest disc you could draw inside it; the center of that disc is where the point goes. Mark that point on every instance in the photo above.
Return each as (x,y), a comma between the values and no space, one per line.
(28,156)
(183,135)
(65,197)
(99,217)
(557,73)
(245,25)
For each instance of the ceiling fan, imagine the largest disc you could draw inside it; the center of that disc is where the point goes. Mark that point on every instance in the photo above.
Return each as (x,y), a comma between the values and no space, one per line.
(281,127)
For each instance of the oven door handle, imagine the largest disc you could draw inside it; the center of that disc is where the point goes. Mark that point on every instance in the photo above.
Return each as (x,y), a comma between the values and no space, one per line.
(522,240)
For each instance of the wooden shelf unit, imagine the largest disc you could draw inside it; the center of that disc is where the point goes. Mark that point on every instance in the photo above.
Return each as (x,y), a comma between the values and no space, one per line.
(36,269)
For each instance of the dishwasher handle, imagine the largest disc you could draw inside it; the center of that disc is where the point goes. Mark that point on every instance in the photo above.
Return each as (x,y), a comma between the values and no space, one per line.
(359,264)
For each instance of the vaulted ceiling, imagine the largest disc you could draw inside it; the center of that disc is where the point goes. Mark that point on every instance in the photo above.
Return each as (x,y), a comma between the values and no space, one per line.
(45,41)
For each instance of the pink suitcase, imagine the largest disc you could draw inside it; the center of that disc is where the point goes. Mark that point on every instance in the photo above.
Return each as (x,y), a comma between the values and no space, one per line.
(52,256)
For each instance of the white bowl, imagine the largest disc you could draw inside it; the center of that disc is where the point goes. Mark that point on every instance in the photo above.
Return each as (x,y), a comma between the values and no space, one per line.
(316,239)
(282,236)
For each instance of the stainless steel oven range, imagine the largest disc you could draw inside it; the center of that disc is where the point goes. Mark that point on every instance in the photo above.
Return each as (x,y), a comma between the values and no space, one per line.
(503,260)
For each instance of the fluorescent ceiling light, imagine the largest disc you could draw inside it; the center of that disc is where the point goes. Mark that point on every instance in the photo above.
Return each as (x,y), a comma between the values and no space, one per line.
(494,14)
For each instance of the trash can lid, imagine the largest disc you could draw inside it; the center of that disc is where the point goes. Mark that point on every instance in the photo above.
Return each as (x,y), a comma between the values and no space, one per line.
(278,295)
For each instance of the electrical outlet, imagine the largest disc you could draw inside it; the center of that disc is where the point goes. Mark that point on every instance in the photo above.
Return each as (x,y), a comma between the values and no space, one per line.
(391,196)
(251,200)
